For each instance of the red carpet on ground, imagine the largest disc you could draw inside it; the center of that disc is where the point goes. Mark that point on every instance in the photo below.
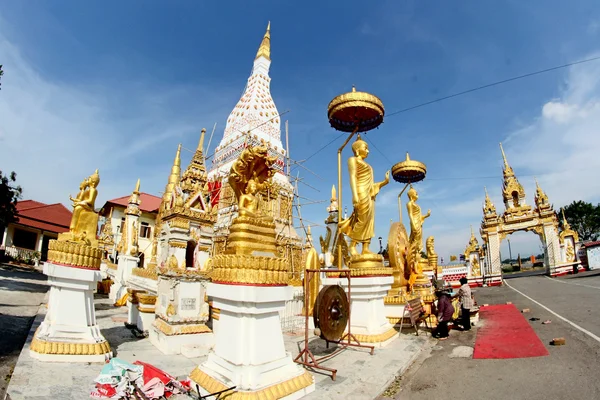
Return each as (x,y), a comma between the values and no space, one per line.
(505,333)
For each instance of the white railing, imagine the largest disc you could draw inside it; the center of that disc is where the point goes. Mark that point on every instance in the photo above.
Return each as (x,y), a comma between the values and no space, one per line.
(22,255)
(292,320)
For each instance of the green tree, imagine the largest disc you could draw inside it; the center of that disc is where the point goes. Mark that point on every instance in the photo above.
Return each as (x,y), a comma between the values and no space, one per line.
(584,218)
(9,195)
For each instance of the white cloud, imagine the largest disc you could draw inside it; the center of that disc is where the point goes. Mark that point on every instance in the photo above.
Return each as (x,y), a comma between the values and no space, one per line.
(54,134)
(593,27)
(561,146)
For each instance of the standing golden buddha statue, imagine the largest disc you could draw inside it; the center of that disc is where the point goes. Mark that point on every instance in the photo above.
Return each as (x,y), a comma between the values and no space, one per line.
(416,236)
(360,226)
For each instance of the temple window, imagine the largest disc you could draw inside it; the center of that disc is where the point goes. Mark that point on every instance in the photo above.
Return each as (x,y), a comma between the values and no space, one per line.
(145,230)
(122,224)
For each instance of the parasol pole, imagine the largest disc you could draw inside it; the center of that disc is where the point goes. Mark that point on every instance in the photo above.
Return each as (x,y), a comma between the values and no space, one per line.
(339,247)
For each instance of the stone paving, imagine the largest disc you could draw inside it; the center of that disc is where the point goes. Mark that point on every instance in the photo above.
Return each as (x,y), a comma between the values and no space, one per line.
(22,290)
(360,375)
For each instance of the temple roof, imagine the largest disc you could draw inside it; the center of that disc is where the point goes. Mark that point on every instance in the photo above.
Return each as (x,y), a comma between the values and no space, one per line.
(48,217)
(148,203)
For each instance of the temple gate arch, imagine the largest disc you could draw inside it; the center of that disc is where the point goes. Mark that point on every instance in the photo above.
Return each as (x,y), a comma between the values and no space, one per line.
(518,216)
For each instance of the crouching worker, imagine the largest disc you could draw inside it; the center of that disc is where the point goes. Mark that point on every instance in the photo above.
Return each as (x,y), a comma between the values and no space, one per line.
(444,314)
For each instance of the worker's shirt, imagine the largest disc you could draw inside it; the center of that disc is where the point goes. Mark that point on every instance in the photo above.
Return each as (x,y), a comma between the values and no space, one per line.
(464,294)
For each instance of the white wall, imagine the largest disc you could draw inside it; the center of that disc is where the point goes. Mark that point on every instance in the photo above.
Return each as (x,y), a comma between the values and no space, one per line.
(144,244)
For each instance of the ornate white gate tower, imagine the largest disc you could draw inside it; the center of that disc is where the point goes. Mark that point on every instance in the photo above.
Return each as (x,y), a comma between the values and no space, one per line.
(518,216)
(255,121)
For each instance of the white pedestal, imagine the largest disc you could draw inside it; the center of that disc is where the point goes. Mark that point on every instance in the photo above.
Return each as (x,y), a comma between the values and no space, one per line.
(249,351)
(145,318)
(181,314)
(125,265)
(394,313)
(69,332)
(369,323)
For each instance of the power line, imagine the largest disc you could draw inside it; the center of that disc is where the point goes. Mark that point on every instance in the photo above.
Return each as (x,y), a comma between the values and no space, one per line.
(493,84)
(377,148)
(460,94)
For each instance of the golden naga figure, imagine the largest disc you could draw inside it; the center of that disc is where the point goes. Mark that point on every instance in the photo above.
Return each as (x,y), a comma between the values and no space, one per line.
(570,252)
(416,232)
(475,268)
(360,227)
(250,174)
(84,222)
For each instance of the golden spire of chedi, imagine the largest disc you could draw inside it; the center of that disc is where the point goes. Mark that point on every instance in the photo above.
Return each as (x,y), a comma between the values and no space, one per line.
(201,142)
(265,46)
(174,176)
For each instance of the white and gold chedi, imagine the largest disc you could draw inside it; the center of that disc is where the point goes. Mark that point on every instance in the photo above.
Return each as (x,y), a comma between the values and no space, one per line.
(69,332)
(255,121)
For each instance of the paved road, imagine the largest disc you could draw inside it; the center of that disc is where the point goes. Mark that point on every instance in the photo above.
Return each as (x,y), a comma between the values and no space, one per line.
(21,293)
(569,372)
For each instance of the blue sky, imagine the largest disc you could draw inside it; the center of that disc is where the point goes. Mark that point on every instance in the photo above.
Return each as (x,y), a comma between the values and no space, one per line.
(117,85)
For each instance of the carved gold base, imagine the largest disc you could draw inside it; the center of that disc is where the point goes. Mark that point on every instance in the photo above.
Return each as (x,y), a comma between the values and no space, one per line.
(183,329)
(133,295)
(397,320)
(67,348)
(380,338)
(394,300)
(274,392)
(75,254)
(145,273)
(368,265)
(110,265)
(245,269)
(146,298)
(249,235)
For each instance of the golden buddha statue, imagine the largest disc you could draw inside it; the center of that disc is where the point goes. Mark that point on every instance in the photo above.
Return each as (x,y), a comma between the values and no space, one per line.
(248,203)
(360,227)
(84,222)
(134,240)
(416,232)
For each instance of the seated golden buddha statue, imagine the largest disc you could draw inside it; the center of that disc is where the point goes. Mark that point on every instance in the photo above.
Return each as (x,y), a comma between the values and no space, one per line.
(251,231)
(84,222)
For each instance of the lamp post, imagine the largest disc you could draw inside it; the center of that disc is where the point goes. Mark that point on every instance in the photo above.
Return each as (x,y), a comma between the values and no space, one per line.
(509,252)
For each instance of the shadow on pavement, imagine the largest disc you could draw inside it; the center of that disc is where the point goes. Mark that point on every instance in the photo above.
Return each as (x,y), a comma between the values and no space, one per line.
(23,286)
(21,273)
(587,274)
(13,331)
(118,335)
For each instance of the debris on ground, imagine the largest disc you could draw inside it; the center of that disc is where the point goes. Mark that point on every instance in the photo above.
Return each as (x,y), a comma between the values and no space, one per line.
(534,319)
(119,379)
(547,322)
(525,310)
(509,302)
(558,342)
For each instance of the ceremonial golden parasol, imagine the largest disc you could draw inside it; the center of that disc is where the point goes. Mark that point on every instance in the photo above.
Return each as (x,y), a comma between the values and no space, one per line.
(353,112)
